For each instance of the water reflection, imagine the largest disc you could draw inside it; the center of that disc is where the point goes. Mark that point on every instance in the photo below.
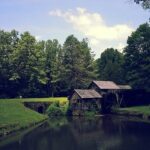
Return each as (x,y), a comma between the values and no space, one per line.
(104,133)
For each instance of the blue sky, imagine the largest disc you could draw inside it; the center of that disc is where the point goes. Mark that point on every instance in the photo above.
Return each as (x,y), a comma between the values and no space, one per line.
(104,23)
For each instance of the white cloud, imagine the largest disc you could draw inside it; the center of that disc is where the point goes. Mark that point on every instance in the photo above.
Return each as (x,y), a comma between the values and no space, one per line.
(120,46)
(93,26)
(38,37)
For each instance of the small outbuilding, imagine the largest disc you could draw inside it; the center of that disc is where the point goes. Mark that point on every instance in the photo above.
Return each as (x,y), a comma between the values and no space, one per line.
(104,87)
(101,96)
(124,94)
(84,100)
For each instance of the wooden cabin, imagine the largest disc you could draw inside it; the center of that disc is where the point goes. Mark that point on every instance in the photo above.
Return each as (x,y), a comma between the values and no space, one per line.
(101,96)
(109,91)
(104,87)
(84,100)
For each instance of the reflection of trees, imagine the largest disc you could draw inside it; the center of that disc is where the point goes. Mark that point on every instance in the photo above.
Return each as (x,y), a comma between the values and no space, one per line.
(95,132)
(106,133)
(100,133)
(52,135)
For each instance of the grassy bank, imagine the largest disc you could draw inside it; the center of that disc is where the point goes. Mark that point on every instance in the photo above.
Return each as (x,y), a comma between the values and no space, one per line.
(14,115)
(50,99)
(140,111)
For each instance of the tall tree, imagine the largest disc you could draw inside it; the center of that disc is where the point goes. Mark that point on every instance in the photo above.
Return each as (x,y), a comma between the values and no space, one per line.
(76,62)
(109,66)
(35,69)
(137,57)
(8,43)
(28,66)
(52,50)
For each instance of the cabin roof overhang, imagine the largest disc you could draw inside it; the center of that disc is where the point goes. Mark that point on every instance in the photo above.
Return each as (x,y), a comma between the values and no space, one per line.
(106,85)
(88,94)
(125,87)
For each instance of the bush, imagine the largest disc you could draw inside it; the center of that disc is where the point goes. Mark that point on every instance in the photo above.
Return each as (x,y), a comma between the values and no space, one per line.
(55,110)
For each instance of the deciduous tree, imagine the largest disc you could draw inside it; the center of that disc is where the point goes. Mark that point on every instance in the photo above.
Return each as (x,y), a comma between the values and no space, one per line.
(137,58)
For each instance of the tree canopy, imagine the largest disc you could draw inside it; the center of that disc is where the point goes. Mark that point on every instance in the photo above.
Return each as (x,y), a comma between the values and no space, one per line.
(137,58)
(109,66)
(145,3)
(32,68)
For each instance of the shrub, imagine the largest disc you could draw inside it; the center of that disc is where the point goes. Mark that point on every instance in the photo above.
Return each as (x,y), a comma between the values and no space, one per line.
(55,110)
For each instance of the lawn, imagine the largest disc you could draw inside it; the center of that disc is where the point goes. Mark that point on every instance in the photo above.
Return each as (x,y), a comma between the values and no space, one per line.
(14,115)
(145,110)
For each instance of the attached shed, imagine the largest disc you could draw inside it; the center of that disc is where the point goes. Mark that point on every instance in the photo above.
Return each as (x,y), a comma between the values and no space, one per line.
(124,94)
(84,100)
(104,87)
(125,87)
(109,91)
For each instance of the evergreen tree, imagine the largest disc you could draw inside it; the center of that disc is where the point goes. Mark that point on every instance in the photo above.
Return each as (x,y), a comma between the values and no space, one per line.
(109,66)
(77,69)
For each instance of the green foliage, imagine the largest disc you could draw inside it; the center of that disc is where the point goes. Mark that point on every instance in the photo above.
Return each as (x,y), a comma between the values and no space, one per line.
(57,109)
(39,69)
(31,68)
(137,58)
(52,64)
(54,110)
(145,3)
(109,66)
(76,64)
(62,100)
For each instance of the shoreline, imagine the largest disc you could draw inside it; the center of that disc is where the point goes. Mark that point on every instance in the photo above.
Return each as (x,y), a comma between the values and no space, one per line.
(132,113)
(14,130)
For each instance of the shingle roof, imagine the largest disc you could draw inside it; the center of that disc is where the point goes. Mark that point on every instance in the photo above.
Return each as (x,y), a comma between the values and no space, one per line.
(125,87)
(108,85)
(88,93)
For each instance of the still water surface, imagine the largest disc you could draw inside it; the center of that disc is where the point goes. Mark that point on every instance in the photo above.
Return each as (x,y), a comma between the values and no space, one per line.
(101,133)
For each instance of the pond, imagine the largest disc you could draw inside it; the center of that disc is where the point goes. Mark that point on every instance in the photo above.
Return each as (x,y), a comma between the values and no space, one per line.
(99,133)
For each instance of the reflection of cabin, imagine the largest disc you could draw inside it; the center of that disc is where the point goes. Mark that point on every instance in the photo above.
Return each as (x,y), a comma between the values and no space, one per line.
(83,100)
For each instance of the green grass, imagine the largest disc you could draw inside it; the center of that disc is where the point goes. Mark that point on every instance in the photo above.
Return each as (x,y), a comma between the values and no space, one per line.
(138,109)
(51,99)
(14,115)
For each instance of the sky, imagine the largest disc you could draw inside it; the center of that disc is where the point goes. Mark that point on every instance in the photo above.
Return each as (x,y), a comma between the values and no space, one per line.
(105,23)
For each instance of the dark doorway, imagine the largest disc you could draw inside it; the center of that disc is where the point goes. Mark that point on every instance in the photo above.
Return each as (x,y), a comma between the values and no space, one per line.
(41,109)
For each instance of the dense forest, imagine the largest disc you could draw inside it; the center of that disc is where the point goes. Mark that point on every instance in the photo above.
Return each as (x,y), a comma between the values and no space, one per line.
(31,68)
